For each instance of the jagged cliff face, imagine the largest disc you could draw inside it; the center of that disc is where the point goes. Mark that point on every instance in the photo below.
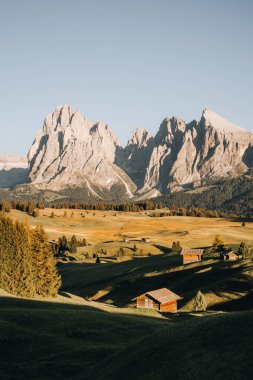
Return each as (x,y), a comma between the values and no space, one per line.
(73,151)
(181,154)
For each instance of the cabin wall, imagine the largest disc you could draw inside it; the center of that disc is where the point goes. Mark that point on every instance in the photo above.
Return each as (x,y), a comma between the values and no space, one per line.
(191,259)
(169,307)
(147,303)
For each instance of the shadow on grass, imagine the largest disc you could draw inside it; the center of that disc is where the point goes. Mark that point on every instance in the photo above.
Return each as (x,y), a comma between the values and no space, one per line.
(119,284)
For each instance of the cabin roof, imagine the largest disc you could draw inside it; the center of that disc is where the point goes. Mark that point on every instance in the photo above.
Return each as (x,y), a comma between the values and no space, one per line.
(192,252)
(231,253)
(163,295)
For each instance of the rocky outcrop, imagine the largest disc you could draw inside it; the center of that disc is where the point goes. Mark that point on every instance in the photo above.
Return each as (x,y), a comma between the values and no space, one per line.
(183,154)
(71,150)
(13,170)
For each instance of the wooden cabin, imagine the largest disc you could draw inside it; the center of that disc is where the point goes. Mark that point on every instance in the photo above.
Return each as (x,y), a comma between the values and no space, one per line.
(191,255)
(231,256)
(161,299)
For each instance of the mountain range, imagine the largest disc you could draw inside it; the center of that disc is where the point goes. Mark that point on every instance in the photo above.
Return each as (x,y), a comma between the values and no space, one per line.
(72,152)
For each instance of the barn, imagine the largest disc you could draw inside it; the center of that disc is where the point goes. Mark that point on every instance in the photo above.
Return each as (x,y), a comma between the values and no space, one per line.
(191,255)
(161,299)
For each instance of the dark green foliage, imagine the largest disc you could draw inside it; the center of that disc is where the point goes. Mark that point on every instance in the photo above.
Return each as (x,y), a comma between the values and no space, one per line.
(62,245)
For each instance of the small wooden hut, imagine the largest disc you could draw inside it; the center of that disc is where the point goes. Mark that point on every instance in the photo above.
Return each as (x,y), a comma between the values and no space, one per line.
(230,256)
(161,299)
(191,255)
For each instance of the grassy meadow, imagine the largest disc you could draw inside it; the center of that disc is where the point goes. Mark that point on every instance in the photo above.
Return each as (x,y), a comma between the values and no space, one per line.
(106,229)
(92,329)
(41,340)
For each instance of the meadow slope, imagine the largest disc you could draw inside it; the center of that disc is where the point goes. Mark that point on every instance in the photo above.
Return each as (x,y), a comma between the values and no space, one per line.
(41,340)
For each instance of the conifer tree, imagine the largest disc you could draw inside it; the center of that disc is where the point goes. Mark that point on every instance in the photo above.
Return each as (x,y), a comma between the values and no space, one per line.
(27,263)
(47,278)
(199,302)
(73,244)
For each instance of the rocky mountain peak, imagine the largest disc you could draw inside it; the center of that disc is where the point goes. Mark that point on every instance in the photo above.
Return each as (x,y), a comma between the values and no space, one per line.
(210,118)
(140,137)
(73,151)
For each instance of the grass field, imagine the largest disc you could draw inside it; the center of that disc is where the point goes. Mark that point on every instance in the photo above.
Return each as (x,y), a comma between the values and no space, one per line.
(41,340)
(106,229)
(92,330)
(226,285)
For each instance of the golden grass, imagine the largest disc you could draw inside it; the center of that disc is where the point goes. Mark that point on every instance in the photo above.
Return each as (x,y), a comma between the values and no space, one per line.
(99,227)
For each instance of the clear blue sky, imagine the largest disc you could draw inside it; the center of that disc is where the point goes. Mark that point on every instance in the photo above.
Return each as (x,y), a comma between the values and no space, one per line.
(128,63)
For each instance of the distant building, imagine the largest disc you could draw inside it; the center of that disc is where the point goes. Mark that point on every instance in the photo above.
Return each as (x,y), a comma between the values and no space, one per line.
(191,255)
(161,299)
(231,256)
(145,240)
(126,239)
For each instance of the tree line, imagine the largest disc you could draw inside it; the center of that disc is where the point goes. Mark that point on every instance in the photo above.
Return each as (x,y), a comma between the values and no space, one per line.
(27,262)
(32,208)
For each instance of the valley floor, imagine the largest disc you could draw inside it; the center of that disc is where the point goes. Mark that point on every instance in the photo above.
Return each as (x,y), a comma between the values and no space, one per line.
(93,330)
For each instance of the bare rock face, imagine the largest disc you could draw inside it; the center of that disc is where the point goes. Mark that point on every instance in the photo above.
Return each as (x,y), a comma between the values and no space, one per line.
(73,151)
(184,154)
(13,170)
(134,159)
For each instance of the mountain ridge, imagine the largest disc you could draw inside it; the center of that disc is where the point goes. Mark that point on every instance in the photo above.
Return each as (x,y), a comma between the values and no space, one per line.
(73,151)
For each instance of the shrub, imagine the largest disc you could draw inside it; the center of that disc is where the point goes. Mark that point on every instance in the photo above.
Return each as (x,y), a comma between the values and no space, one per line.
(243,249)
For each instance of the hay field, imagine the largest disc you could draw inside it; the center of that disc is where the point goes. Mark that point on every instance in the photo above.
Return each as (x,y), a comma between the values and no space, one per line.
(108,227)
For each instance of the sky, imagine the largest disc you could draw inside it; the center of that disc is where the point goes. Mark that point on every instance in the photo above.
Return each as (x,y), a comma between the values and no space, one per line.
(128,63)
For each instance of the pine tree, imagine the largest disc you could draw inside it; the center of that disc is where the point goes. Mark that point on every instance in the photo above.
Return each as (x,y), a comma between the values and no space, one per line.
(73,244)
(199,302)
(16,262)
(27,265)
(48,280)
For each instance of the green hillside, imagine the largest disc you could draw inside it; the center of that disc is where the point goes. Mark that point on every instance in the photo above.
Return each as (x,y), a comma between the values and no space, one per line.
(41,340)
(227,285)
